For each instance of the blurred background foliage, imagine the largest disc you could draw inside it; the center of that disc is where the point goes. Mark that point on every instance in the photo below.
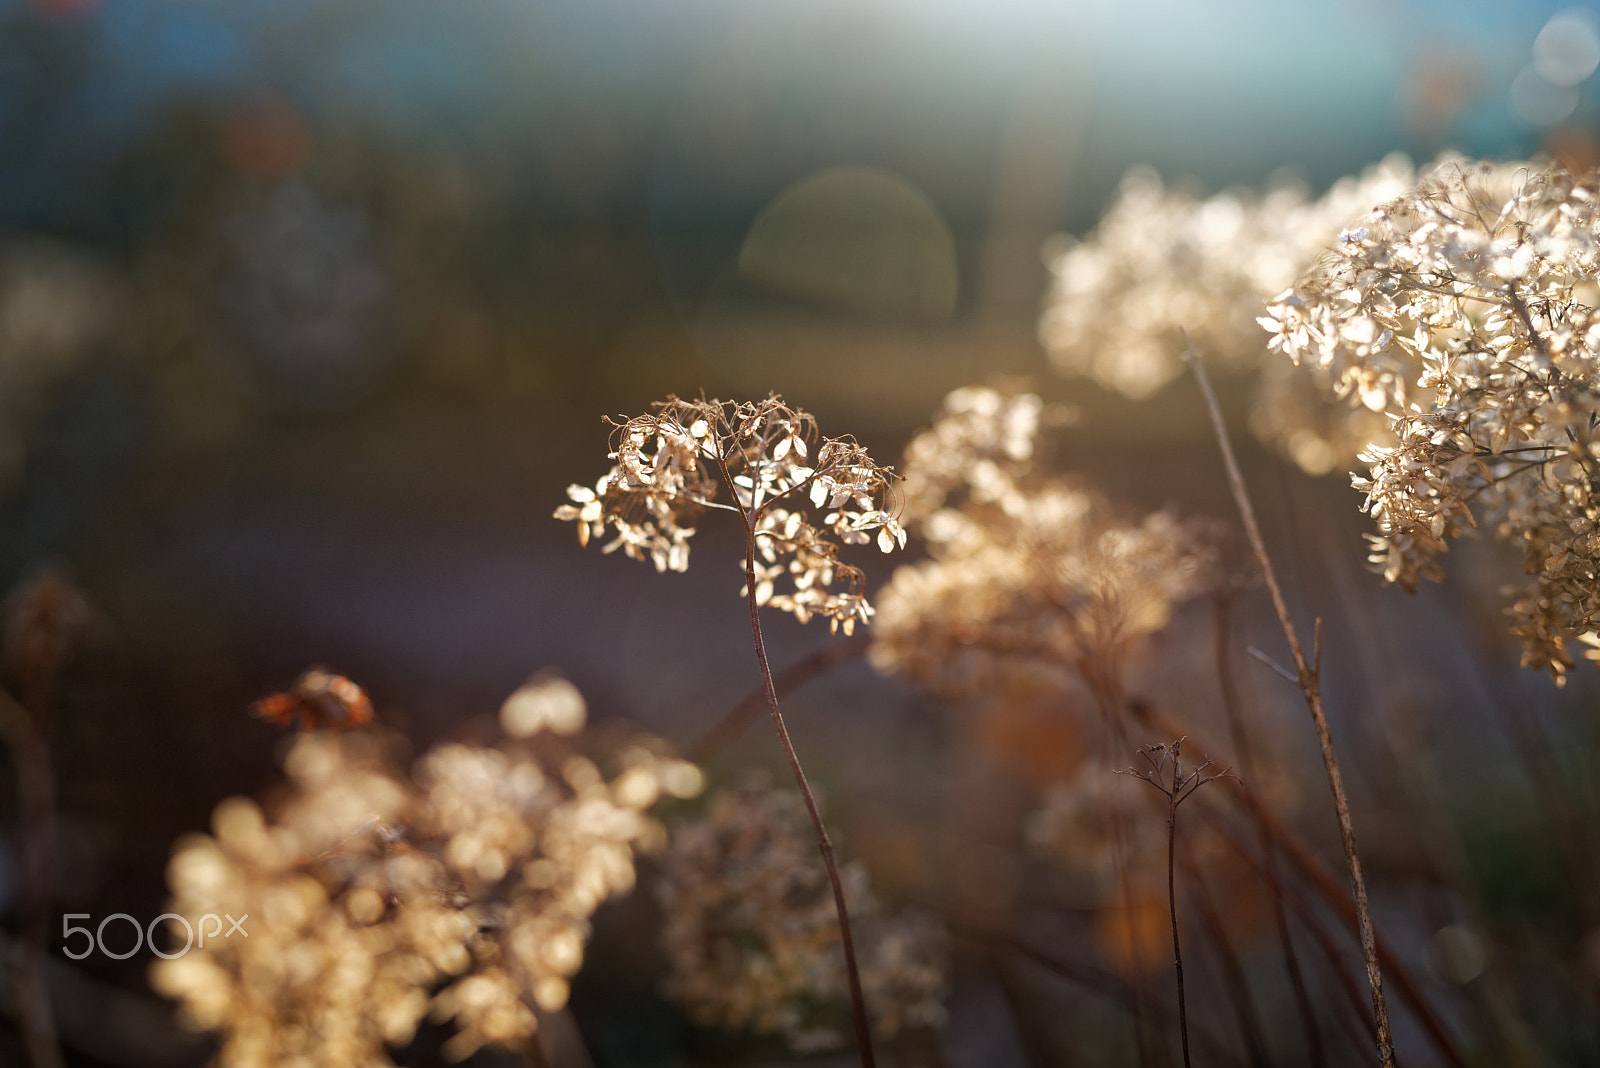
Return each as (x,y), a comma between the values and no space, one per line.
(309,310)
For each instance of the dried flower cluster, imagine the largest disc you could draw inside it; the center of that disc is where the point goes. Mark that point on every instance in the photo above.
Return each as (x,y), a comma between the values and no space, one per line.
(375,899)
(1163,262)
(801,494)
(1025,571)
(753,940)
(1464,311)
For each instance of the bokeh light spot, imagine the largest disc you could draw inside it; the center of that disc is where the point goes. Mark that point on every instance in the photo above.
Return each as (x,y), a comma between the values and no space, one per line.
(1567,50)
(1540,102)
(855,238)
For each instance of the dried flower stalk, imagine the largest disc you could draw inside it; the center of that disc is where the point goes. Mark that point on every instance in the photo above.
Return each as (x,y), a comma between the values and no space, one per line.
(751,937)
(774,464)
(1222,620)
(1464,311)
(1310,686)
(1164,771)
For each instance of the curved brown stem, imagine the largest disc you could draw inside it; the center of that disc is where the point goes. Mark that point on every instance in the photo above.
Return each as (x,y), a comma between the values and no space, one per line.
(858,1005)
(1222,622)
(1093,980)
(1172,913)
(1305,861)
(1311,688)
(737,718)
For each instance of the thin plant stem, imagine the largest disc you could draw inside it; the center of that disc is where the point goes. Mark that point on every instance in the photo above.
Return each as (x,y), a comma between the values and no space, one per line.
(1311,688)
(1306,862)
(1362,1031)
(1223,632)
(1172,913)
(1165,773)
(1328,888)
(1099,982)
(858,1007)
(737,718)
(1330,953)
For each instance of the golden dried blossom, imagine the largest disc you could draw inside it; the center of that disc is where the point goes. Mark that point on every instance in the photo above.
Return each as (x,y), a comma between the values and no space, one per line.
(373,898)
(1164,263)
(1025,571)
(1464,312)
(752,938)
(801,495)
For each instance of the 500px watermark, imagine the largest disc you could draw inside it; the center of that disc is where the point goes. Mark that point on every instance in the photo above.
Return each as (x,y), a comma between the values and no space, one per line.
(96,939)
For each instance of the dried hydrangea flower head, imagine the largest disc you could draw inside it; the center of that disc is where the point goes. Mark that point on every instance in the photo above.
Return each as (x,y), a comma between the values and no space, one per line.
(1163,262)
(1026,572)
(375,898)
(750,934)
(803,496)
(1464,311)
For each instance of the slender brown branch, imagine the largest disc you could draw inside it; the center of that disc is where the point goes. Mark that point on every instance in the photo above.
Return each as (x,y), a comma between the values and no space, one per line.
(1328,888)
(1304,860)
(1310,686)
(737,718)
(1222,623)
(1165,773)
(858,1007)
(1103,983)
(1172,914)
(1349,984)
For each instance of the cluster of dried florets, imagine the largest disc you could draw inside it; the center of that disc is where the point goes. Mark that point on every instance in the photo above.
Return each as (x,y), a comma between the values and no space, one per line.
(1163,263)
(374,899)
(1026,572)
(1464,311)
(752,937)
(801,496)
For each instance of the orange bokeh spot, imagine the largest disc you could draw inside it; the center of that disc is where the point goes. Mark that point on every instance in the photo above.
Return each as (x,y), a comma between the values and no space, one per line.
(1032,733)
(1574,147)
(1135,939)
(266,139)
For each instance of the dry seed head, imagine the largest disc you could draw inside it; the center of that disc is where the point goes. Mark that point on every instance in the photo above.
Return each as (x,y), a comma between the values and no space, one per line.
(752,938)
(1026,572)
(1464,313)
(802,495)
(1164,262)
(375,898)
